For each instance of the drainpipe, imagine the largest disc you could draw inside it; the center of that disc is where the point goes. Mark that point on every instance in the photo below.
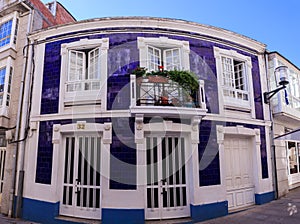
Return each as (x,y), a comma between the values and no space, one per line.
(272,136)
(18,151)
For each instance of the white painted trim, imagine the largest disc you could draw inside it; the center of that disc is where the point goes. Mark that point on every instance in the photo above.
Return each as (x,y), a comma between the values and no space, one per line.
(38,83)
(171,24)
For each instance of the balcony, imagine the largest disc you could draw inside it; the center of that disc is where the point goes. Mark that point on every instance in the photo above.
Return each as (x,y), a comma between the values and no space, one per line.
(161,96)
(288,113)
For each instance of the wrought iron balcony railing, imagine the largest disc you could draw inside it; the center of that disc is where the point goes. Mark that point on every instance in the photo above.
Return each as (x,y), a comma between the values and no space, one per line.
(162,91)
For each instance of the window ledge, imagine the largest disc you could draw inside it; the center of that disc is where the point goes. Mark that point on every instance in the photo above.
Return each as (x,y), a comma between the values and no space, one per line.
(168,111)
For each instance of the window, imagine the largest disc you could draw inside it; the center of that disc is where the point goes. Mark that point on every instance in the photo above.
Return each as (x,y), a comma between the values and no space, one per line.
(8,30)
(234,79)
(234,72)
(3,87)
(84,71)
(293,90)
(5,32)
(162,51)
(170,59)
(293,149)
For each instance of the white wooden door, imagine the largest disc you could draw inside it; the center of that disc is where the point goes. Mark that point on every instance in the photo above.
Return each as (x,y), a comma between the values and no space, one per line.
(81,195)
(166,189)
(239,172)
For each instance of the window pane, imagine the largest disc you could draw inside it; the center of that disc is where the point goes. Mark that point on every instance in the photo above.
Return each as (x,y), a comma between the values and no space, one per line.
(227,67)
(76,66)
(293,154)
(172,59)
(94,64)
(154,58)
(5,33)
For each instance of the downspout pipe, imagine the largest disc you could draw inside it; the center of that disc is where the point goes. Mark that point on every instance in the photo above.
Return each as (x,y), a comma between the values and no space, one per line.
(272,136)
(20,129)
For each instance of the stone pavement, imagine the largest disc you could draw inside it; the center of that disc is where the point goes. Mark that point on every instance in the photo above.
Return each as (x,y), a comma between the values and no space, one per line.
(285,210)
(7,220)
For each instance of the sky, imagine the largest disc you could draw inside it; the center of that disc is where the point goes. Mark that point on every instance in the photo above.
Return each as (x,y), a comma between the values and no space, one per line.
(274,23)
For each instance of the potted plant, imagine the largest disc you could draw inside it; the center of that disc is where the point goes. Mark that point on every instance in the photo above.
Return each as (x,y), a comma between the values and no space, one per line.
(186,79)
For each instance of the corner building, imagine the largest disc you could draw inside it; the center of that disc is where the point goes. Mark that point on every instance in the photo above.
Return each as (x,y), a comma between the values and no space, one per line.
(103,144)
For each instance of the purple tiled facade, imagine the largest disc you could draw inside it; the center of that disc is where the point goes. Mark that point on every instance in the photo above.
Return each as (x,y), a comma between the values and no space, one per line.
(123,56)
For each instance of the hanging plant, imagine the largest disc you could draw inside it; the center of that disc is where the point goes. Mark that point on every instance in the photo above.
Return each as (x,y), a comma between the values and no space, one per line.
(186,79)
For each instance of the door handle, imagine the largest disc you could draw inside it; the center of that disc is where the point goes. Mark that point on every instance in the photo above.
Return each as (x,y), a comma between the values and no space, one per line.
(77,189)
(163,186)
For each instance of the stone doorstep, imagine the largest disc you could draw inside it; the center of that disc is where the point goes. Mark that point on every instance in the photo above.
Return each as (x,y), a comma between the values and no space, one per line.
(78,220)
(170,221)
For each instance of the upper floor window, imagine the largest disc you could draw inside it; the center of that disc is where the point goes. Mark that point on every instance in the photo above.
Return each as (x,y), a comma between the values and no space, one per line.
(84,72)
(234,72)
(8,30)
(293,90)
(5,85)
(234,79)
(169,53)
(5,32)
(170,59)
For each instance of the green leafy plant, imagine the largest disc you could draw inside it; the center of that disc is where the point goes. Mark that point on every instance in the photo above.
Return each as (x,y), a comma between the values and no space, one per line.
(186,79)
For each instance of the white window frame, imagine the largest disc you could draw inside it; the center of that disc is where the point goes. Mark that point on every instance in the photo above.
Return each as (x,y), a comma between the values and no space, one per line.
(166,44)
(8,65)
(297,152)
(234,103)
(13,35)
(84,98)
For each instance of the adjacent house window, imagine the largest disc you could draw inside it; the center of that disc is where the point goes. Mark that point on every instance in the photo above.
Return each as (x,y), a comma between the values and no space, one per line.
(293,151)
(294,90)
(5,86)
(162,51)
(8,30)
(234,72)
(84,73)
(5,32)
(2,83)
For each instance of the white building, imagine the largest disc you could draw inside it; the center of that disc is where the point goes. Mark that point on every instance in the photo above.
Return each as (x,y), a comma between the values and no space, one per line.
(110,146)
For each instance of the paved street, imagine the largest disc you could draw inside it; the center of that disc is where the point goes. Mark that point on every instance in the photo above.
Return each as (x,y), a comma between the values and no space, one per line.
(286,210)
(6,220)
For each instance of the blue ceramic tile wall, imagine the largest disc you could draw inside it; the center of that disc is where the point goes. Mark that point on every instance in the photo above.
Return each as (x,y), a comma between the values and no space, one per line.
(123,56)
(45,151)
(123,159)
(209,166)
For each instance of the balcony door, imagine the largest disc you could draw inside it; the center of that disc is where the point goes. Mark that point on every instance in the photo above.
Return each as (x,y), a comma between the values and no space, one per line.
(166,191)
